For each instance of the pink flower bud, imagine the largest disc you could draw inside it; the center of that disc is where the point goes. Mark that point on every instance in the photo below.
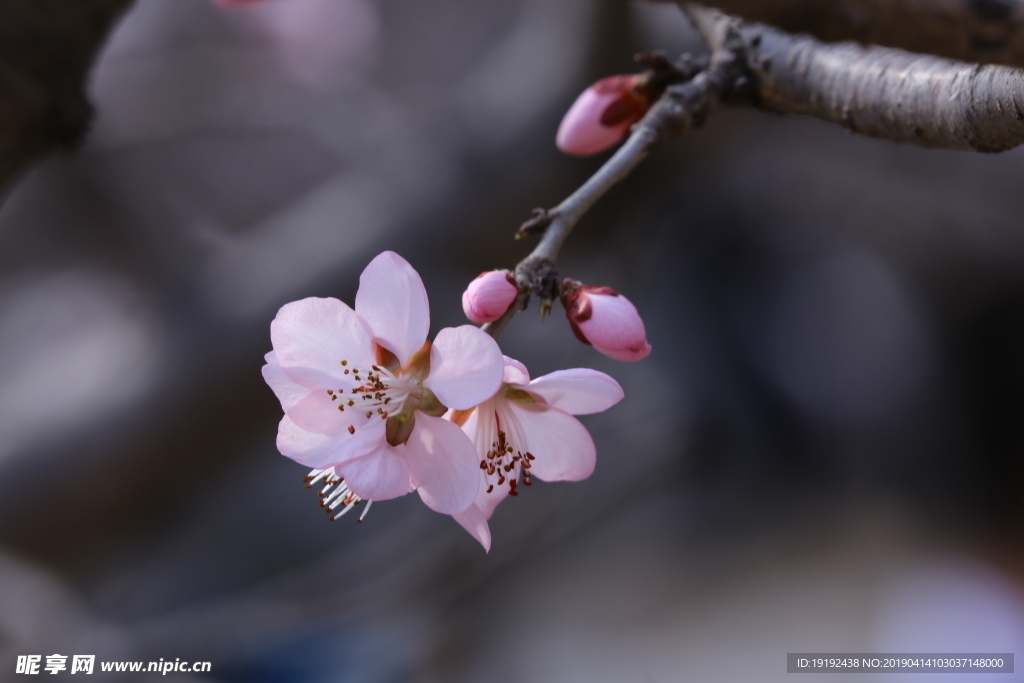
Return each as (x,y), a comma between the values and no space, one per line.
(601,116)
(606,320)
(489,296)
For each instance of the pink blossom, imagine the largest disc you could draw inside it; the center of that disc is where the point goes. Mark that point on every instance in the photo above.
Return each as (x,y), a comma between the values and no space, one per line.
(363,391)
(606,320)
(528,429)
(488,296)
(602,116)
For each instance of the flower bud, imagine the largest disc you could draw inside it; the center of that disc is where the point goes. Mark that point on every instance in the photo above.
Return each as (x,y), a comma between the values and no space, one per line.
(489,296)
(602,116)
(606,320)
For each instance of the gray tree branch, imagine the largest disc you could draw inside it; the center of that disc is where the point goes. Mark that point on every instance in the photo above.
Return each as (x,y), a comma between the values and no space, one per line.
(876,91)
(681,107)
(988,31)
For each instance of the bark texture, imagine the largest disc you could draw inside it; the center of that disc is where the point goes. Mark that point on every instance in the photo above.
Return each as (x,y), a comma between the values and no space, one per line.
(46,50)
(876,91)
(989,31)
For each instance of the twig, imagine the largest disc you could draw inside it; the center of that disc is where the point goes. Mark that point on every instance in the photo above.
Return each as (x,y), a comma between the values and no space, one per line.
(683,106)
(874,91)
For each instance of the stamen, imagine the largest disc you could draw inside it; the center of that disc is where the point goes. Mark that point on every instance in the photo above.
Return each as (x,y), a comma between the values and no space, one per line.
(365,510)
(339,501)
(504,460)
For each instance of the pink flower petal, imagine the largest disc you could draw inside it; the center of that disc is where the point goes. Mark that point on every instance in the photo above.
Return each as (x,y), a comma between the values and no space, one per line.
(562,446)
(465,367)
(443,464)
(305,448)
(487,502)
(287,391)
(320,450)
(627,355)
(379,475)
(318,413)
(579,391)
(515,372)
(312,336)
(473,521)
(392,300)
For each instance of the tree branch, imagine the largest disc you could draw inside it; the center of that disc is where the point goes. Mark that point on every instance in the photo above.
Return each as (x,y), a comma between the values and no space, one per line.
(46,50)
(988,31)
(681,107)
(875,91)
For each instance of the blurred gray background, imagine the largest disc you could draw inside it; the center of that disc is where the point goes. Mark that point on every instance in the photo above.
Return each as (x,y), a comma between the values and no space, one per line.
(823,452)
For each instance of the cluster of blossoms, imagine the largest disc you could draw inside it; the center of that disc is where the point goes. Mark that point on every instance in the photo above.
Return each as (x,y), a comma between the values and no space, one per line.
(377,411)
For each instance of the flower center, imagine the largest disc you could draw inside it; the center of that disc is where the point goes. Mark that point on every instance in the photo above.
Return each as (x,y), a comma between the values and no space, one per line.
(504,461)
(379,393)
(391,393)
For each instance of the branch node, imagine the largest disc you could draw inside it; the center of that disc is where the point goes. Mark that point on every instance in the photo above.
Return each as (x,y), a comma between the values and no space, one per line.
(537,225)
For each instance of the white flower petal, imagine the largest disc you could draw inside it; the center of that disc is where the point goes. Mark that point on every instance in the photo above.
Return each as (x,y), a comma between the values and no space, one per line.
(393,301)
(487,502)
(481,428)
(288,392)
(579,391)
(312,336)
(379,475)
(561,445)
(473,521)
(515,372)
(466,367)
(443,464)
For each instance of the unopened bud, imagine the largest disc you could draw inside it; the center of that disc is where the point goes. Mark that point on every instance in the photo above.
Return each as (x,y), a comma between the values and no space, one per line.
(606,320)
(489,296)
(602,116)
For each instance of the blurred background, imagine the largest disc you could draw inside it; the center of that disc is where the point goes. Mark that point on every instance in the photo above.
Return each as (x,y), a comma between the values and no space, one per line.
(822,454)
